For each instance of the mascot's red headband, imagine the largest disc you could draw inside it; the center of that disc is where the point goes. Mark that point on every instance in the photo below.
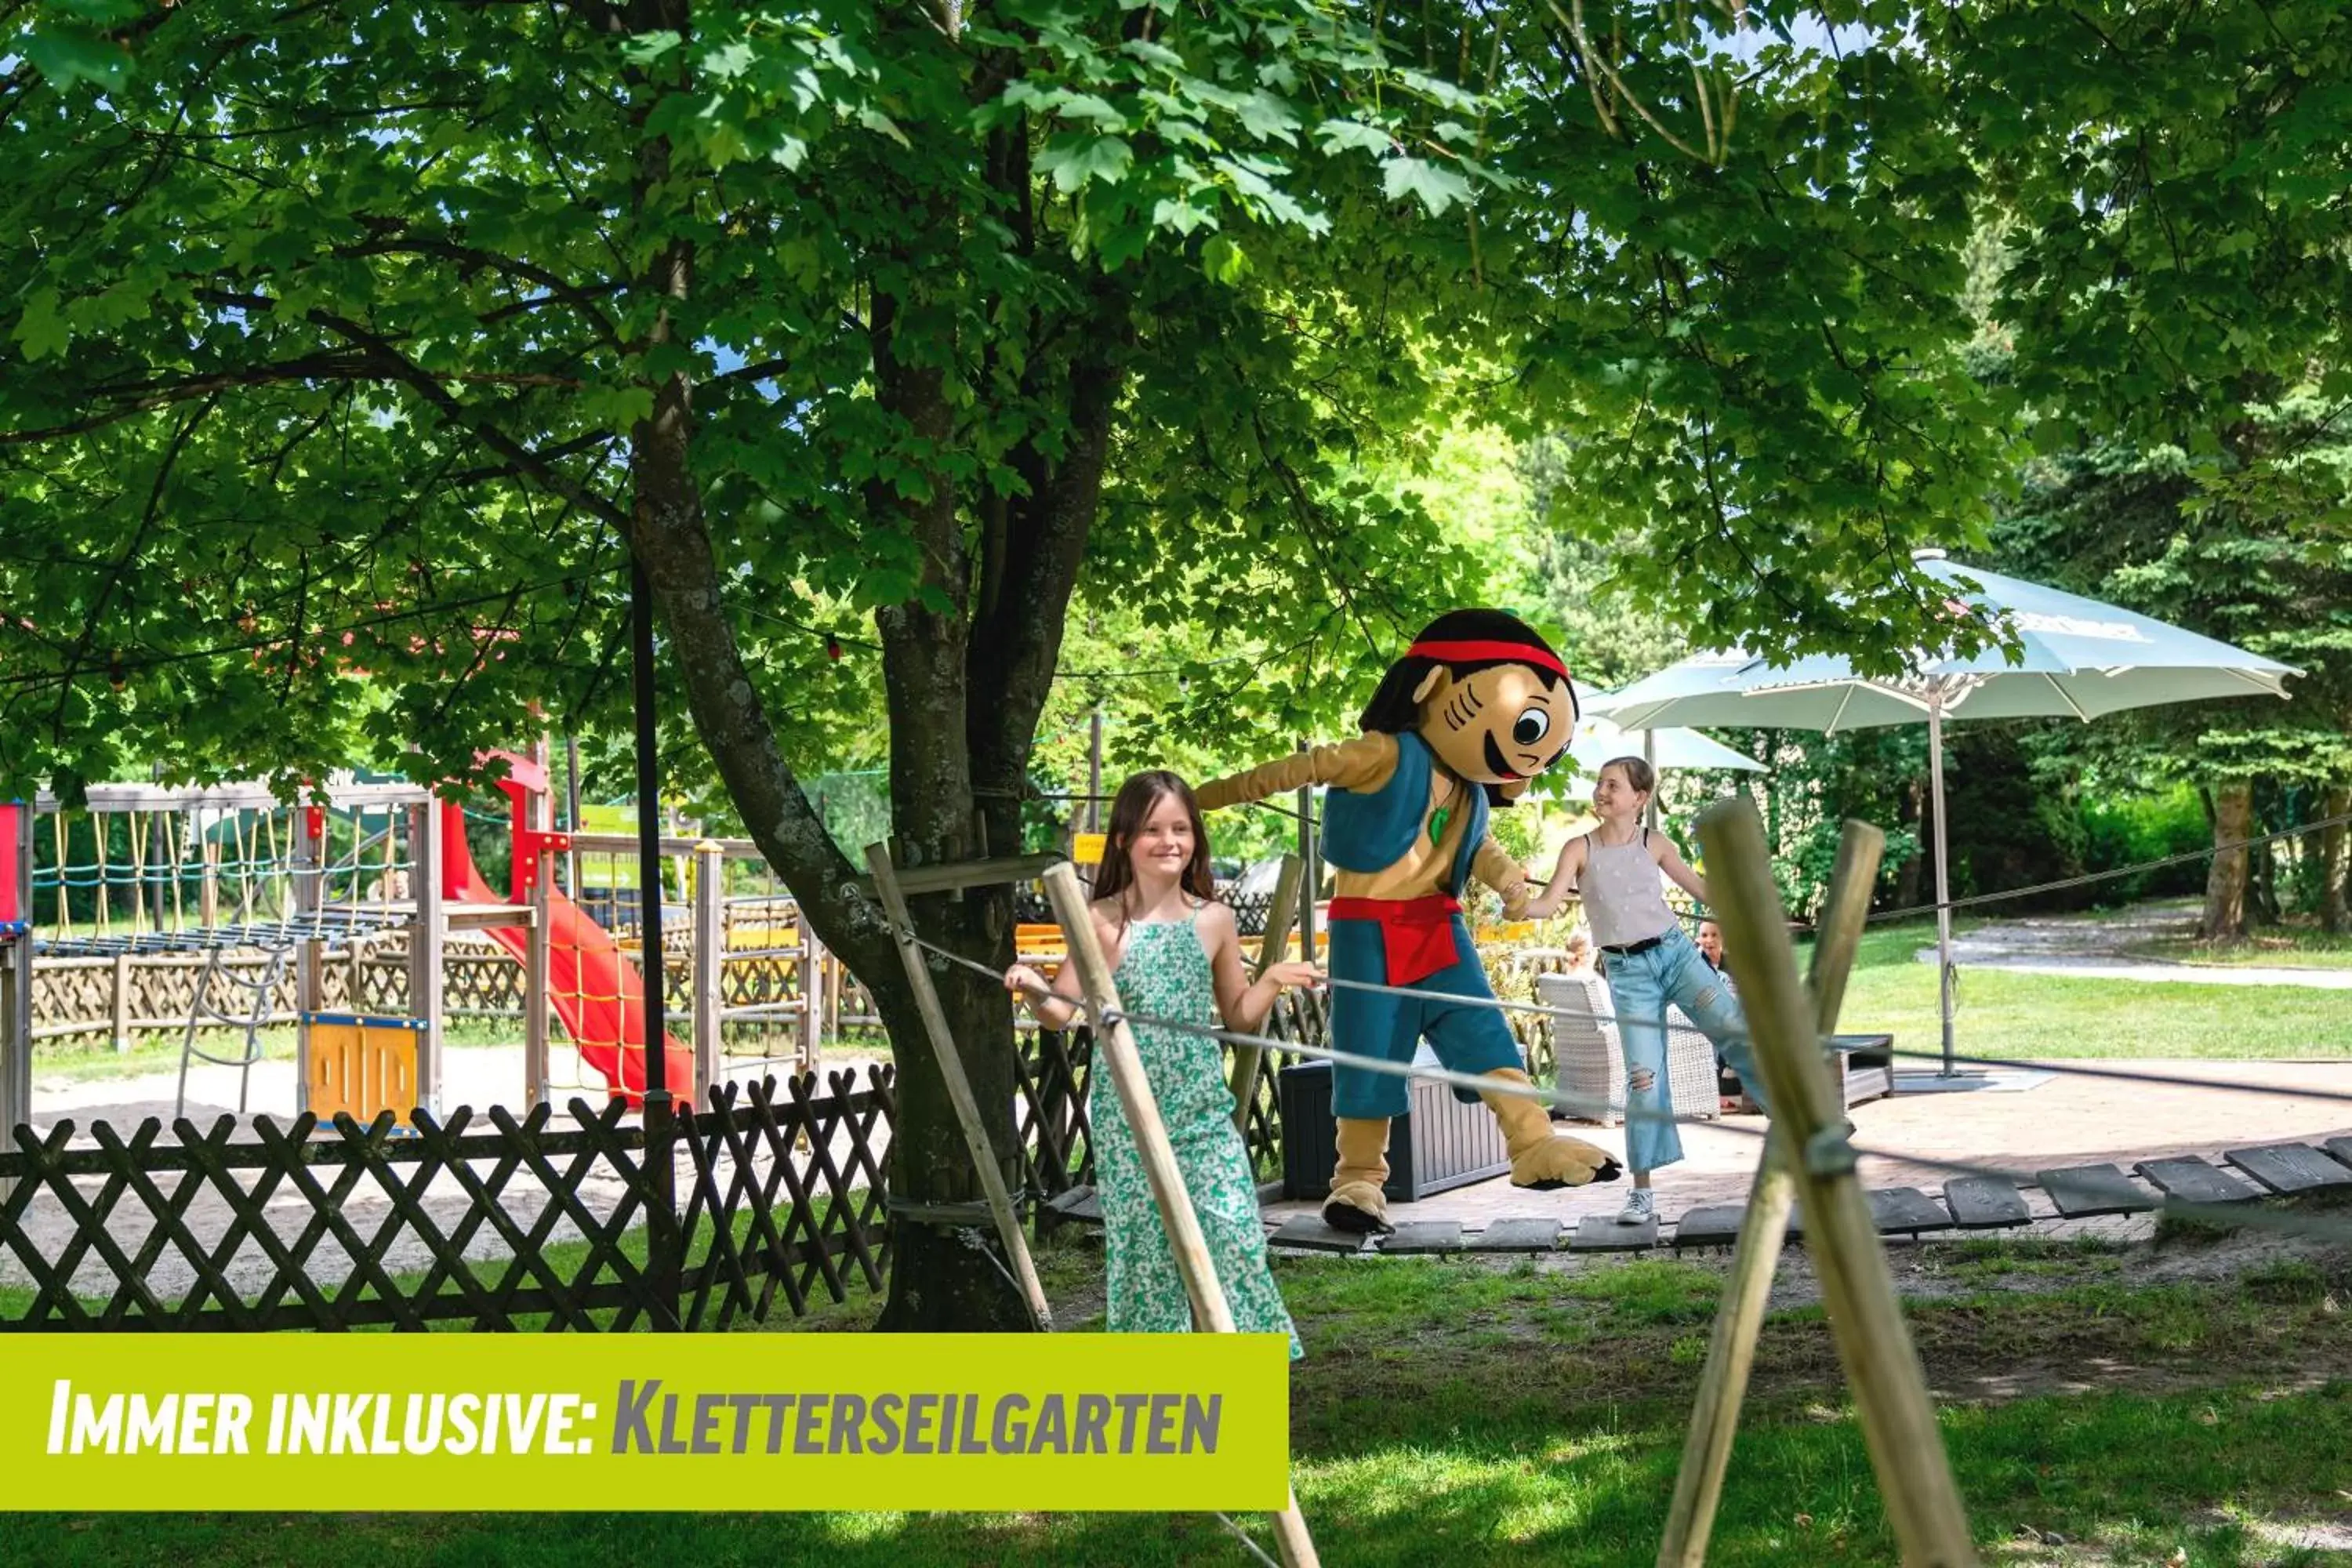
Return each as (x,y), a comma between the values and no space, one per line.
(1475,652)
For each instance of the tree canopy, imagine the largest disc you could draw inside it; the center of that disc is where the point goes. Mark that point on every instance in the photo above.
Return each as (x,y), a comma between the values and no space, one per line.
(359,353)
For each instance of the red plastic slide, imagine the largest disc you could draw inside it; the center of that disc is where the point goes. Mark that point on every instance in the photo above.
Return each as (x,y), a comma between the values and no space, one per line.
(594,987)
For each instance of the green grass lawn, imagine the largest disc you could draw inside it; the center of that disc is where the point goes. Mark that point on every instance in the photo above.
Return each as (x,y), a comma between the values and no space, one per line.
(2006,1013)
(2286,947)
(1462,1412)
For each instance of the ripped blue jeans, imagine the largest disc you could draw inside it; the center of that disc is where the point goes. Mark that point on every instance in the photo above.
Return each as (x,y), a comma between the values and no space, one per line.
(1641,987)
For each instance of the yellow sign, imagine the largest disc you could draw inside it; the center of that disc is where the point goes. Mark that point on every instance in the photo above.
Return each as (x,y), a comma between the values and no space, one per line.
(1086,849)
(461,1422)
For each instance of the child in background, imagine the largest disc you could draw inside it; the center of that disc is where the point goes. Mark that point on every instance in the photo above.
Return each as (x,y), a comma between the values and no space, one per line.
(1177,954)
(1648,962)
(1729,1092)
(1710,947)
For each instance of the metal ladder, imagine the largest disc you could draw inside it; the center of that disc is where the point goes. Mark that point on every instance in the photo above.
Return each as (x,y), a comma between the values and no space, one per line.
(259,995)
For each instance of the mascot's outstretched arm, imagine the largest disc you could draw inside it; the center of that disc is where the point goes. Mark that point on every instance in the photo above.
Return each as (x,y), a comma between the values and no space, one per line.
(1365,762)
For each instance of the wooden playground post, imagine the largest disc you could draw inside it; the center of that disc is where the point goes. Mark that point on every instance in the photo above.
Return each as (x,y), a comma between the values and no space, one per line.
(709,957)
(427,939)
(1731,1351)
(208,893)
(16,985)
(1897,1418)
(888,889)
(539,943)
(305,891)
(812,975)
(1271,947)
(1115,1052)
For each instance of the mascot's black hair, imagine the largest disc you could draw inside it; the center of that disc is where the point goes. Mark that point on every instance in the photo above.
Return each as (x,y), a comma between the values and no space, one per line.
(1392,710)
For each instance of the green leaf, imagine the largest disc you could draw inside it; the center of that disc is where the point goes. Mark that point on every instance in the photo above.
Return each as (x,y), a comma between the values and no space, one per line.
(1085,106)
(1338,135)
(645,49)
(729,60)
(1269,119)
(1180,215)
(881,124)
(1437,186)
(68,55)
(43,330)
(1223,261)
(1072,160)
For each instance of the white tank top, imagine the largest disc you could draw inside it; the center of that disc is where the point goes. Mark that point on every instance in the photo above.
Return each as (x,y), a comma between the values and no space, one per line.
(1624,892)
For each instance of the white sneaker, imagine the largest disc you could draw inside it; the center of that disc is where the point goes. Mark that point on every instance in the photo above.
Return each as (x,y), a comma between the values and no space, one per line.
(1641,1206)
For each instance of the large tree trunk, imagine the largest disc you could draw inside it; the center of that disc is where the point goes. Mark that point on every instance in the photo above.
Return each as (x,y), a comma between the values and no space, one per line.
(964,683)
(2336,861)
(2225,882)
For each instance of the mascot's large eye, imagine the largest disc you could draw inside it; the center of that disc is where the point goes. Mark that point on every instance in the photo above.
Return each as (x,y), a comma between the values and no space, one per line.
(1533,726)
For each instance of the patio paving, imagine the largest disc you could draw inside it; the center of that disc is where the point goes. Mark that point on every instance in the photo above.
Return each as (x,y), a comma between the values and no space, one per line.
(2067,1120)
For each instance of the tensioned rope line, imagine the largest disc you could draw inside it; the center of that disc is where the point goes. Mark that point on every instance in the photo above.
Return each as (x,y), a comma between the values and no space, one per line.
(1841,1145)
(1462,1081)
(2088,877)
(2057,1068)
(1243,1536)
(1974,901)
(1838,1145)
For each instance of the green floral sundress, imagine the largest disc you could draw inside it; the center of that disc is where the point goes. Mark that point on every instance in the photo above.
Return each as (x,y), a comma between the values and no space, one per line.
(1165,973)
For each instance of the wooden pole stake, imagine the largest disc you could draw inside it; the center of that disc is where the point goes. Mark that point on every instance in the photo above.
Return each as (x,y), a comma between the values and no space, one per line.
(1115,1052)
(1898,1422)
(1271,946)
(1731,1351)
(967,1109)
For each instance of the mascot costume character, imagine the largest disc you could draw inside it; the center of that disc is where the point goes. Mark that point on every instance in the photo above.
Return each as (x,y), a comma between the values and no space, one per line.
(1478,705)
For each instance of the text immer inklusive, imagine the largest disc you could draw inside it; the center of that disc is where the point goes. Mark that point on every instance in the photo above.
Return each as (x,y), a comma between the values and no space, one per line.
(184,1423)
(646,1420)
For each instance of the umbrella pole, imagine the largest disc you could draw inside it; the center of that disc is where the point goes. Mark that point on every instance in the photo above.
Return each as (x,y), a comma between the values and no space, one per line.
(1650,755)
(1943,873)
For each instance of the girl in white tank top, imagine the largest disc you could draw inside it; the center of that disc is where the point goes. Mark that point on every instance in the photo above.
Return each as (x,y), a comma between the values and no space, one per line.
(1618,870)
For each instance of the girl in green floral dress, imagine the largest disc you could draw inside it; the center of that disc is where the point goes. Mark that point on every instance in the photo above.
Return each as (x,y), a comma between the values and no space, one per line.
(1178,956)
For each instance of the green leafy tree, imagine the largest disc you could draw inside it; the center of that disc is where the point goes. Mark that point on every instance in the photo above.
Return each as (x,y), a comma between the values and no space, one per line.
(363,356)
(2176,253)
(2143,528)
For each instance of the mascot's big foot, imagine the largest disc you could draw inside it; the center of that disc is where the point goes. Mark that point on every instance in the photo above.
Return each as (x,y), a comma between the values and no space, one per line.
(1356,1205)
(1540,1158)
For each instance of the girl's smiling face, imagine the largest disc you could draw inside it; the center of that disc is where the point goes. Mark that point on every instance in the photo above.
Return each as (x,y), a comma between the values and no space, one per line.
(1165,843)
(1615,797)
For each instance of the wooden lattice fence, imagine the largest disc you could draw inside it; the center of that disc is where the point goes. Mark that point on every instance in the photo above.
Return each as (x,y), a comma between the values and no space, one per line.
(498,1221)
(522,1224)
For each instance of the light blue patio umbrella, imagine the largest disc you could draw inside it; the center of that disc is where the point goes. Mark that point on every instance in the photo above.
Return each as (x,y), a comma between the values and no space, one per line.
(2080,660)
(1597,740)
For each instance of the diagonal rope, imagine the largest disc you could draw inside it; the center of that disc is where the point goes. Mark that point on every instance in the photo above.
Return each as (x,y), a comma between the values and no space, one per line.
(2236,1215)
(1378,1064)
(1243,1537)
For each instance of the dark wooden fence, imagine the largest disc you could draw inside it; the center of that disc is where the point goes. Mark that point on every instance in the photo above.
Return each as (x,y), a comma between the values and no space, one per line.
(493,1221)
(489,1222)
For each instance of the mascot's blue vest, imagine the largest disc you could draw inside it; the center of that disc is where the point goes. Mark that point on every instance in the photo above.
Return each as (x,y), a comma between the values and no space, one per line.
(1372,832)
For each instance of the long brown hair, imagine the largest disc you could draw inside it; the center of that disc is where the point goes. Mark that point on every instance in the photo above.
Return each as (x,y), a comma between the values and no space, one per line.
(1138,798)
